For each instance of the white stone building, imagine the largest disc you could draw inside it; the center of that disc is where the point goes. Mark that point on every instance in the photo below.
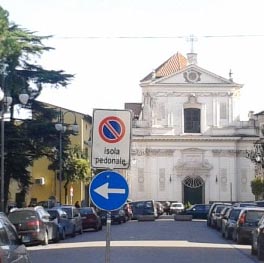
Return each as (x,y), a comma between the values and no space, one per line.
(188,143)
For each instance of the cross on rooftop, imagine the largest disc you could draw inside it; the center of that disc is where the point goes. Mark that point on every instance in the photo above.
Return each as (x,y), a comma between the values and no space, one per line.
(191,39)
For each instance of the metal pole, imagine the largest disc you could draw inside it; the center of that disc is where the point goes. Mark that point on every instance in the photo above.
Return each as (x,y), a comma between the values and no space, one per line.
(60,168)
(107,247)
(2,158)
(3,143)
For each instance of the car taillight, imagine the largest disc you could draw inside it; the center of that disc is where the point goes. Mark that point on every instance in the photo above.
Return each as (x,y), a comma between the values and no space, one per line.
(242,219)
(34,223)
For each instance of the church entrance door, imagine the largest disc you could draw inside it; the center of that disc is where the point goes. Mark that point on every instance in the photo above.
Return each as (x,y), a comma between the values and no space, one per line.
(193,190)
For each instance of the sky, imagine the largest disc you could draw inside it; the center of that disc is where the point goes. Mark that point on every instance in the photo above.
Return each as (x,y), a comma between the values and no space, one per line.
(110,45)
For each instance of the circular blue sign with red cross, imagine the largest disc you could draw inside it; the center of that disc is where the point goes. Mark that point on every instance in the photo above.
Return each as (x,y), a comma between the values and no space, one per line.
(112,129)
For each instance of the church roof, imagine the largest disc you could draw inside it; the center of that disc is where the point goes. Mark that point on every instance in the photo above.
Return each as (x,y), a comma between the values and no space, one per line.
(174,64)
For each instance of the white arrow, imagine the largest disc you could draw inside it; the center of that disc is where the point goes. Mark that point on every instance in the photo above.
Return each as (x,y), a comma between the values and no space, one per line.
(104,191)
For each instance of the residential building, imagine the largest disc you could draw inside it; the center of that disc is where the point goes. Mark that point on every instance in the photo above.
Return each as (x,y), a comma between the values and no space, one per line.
(45,182)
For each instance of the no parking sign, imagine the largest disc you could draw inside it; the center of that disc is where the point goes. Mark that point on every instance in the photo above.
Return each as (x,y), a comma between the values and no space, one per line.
(111,139)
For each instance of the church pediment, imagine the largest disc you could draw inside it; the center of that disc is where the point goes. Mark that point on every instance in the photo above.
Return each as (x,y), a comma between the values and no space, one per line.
(193,75)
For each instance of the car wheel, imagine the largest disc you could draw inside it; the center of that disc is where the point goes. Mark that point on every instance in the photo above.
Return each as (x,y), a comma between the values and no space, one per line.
(81,231)
(253,250)
(63,234)
(226,234)
(57,237)
(260,252)
(238,239)
(45,241)
(73,232)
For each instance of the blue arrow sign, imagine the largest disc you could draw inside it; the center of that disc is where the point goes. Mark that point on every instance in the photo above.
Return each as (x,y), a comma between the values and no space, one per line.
(109,190)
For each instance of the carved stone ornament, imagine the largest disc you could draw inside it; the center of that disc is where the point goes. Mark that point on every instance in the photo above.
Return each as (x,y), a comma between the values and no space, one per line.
(192,76)
(193,168)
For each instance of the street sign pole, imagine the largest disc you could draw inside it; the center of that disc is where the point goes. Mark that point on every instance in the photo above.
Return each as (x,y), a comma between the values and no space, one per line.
(108,191)
(111,137)
(108,237)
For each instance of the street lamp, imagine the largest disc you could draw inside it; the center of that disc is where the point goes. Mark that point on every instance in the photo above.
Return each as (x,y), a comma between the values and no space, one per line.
(61,126)
(6,101)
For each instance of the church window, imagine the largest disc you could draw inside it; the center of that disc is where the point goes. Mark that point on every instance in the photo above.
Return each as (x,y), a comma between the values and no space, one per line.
(192,119)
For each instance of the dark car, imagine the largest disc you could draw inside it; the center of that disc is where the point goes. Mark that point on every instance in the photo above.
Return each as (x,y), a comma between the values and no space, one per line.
(229,221)
(66,227)
(11,248)
(90,218)
(219,219)
(75,217)
(34,226)
(211,211)
(257,245)
(248,220)
(216,214)
(198,211)
(117,216)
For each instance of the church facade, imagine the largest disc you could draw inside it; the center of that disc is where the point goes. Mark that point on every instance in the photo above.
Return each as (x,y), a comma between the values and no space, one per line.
(188,143)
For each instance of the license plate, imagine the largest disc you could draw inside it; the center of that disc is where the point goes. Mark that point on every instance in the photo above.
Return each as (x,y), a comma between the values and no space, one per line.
(25,239)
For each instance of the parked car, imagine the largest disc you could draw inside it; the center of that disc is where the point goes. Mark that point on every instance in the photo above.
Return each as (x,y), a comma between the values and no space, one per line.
(34,226)
(229,221)
(176,208)
(198,211)
(257,245)
(245,204)
(66,226)
(90,218)
(211,210)
(248,220)
(11,248)
(117,216)
(75,217)
(216,214)
(222,215)
(143,207)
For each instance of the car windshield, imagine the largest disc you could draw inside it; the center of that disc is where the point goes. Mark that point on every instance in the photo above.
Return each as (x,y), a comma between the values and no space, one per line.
(254,216)
(68,211)
(86,211)
(21,216)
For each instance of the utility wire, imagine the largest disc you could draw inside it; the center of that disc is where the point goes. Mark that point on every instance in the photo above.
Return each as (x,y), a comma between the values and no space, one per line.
(159,37)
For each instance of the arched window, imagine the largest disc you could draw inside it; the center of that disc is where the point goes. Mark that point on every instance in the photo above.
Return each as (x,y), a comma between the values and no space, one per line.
(192,119)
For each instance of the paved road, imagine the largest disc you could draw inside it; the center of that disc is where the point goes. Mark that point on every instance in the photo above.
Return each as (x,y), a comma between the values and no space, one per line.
(164,240)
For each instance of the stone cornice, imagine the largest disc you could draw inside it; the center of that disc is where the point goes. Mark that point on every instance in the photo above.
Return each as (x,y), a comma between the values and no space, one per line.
(191,138)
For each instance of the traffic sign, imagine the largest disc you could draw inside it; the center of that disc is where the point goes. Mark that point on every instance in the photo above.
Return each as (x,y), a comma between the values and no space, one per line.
(111,138)
(109,190)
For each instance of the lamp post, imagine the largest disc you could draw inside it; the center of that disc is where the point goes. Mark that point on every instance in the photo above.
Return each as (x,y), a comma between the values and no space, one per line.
(61,126)
(6,101)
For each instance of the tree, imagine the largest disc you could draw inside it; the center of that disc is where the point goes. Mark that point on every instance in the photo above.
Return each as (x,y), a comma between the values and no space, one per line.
(76,168)
(26,140)
(257,187)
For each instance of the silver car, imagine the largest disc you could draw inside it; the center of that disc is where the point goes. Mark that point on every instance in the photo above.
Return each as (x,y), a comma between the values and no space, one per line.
(11,248)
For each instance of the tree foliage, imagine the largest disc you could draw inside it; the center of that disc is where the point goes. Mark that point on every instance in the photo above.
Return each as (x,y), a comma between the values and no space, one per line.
(31,139)
(257,187)
(76,167)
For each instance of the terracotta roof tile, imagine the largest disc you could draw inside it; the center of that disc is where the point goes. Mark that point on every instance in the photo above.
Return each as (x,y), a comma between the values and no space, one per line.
(173,64)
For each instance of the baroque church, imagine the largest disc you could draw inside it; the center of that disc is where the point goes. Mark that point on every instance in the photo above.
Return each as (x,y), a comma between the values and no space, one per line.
(188,143)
